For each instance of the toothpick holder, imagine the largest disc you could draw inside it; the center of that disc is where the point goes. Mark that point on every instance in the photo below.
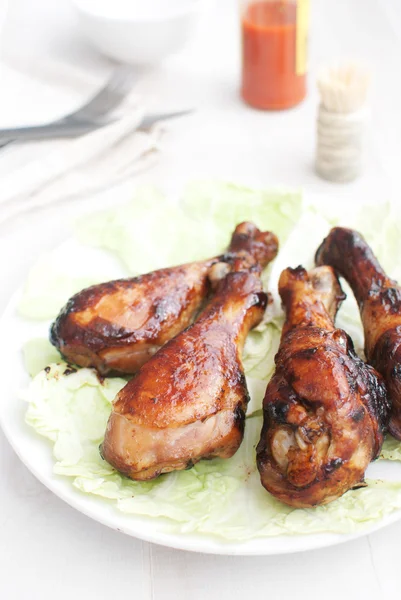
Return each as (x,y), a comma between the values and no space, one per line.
(340,143)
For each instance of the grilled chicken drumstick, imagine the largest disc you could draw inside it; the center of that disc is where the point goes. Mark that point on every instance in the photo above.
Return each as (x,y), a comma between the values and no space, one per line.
(379,300)
(189,400)
(117,326)
(324,410)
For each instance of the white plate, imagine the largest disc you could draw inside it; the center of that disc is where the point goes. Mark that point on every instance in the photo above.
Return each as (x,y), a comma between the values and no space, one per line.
(36,453)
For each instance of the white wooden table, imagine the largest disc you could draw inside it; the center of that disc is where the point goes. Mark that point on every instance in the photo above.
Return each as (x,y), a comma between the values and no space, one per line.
(48,550)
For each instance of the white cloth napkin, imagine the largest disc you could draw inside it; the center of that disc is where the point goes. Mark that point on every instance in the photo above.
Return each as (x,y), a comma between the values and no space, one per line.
(74,167)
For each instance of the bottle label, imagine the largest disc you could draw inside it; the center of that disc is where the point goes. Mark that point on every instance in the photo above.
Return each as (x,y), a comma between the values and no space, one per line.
(302,36)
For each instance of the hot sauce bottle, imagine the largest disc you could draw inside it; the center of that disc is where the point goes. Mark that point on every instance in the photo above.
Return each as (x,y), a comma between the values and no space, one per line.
(274,39)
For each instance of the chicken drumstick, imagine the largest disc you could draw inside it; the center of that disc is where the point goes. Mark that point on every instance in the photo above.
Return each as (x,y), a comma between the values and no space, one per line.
(189,400)
(117,326)
(379,300)
(325,410)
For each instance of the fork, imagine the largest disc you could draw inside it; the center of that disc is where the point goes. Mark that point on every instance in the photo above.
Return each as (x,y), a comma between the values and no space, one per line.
(89,116)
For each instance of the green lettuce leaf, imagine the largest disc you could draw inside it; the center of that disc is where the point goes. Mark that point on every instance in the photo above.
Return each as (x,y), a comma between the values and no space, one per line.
(380,224)
(56,277)
(48,287)
(37,354)
(391,449)
(219,497)
(71,408)
(199,227)
(154,231)
(260,349)
(228,204)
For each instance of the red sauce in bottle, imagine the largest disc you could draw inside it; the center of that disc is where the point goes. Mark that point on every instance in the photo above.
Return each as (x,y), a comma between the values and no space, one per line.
(269,38)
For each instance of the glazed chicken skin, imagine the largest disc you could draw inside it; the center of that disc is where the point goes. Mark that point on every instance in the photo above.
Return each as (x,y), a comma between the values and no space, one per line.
(117,326)
(379,300)
(188,402)
(324,410)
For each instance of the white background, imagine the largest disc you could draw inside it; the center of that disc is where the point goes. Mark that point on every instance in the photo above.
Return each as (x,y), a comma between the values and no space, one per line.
(48,550)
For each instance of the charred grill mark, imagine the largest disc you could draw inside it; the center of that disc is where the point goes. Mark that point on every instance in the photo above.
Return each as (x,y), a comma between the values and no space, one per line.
(351,377)
(106,329)
(306,353)
(70,370)
(333,465)
(54,335)
(239,418)
(390,299)
(261,299)
(358,415)
(100,335)
(228,257)
(278,411)
(241,379)
(376,286)
(395,372)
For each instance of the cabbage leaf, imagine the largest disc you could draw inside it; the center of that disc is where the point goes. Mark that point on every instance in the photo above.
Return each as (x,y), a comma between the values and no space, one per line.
(71,407)
(218,497)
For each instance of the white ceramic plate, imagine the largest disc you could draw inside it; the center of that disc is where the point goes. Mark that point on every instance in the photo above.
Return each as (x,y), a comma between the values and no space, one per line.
(36,454)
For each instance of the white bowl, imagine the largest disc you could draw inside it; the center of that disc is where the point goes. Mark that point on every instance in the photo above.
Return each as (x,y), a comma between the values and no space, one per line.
(138,31)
